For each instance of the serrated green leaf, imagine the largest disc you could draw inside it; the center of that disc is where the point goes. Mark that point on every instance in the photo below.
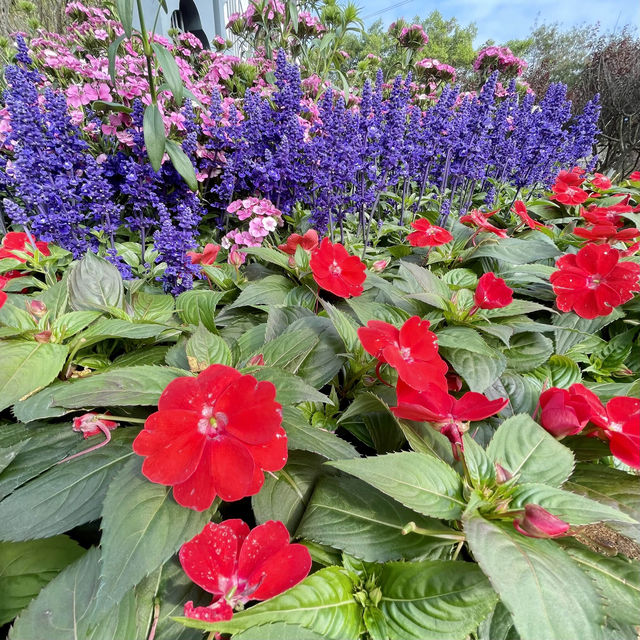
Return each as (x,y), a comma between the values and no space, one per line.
(479,371)
(26,567)
(498,626)
(142,528)
(416,595)
(572,329)
(346,328)
(68,324)
(205,348)
(524,448)
(154,135)
(268,291)
(152,307)
(290,389)
(465,338)
(546,592)
(95,285)
(323,603)
(528,351)
(27,367)
(418,481)
(350,515)
(518,251)
(278,631)
(199,306)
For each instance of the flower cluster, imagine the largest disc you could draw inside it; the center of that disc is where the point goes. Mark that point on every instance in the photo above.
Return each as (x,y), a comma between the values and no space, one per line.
(432,70)
(263,219)
(501,59)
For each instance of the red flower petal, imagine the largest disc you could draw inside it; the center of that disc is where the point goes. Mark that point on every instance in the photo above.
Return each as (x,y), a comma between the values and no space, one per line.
(263,541)
(181,393)
(215,612)
(232,468)
(476,406)
(198,491)
(271,456)
(282,571)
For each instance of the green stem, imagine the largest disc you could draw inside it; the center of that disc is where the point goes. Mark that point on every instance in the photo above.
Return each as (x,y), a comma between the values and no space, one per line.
(148,52)
(292,482)
(107,416)
(412,527)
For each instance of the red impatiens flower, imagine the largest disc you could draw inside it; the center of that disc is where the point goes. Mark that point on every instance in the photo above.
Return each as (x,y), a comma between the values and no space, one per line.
(618,422)
(308,241)
(635,176)
(594,281)
(412,350)
(213,435)
(491,293)
(237,565)
(520,209)
(3,295)
(208,255)
(600,181)
(428,235)
(606,233)
(336,271)
(451,416)
(537,522)
(90,425)
(606,215)
(567,188)
(478,219)
(19,241)
(564,413)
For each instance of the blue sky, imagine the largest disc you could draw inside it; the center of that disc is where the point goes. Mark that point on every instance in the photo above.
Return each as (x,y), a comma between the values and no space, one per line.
(503,20)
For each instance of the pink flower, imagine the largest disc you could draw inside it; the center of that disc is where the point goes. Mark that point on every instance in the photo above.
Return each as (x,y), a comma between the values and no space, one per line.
(537,522)
(89,424)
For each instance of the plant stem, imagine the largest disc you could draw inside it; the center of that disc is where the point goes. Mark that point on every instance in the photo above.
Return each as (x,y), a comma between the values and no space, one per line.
(108,416)
(412,527)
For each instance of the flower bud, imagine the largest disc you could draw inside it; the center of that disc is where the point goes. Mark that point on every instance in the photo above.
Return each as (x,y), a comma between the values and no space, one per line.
(257,360)
(380,265)
(36,308)
(502,475)
(89,424)
(537,522)
(43,336)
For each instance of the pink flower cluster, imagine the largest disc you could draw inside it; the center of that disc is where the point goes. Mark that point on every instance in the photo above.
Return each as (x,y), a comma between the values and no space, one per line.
(501,59)
(412,37)
(433,69)
(268,9)
(309,25)
(263,218)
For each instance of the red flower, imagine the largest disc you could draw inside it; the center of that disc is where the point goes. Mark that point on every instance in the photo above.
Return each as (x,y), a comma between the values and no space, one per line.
(492,292)
(237,565)
(3,298)
(606,215)
(601,181)
(572,178)
(520,209)
(537,522)
(594,281)
(567,188)
(427,234)
(447,414)
(606,233)
(213,435)
(309,241)
(90,425)
(564,413)
(336,271)
(19,241)
(208,255)
(412,350)
(635,176)
(618,422)
(480,220)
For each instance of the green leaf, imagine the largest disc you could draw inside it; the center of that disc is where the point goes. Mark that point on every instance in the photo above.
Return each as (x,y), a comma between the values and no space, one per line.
(105,328)
(285,496)
(204,348)
(528,351)
(460,279)
(27,367)
(26,567)
(570,507)
(523,447)
(68,324)
(350,515)
(112,52)
(544,589)
(434,600)
(278,631)
(171,73)
(516,251)
(125,13)
(498,626)
(124,386)
(419,482)
(266,254)
(479,371)
(368,310)
(516,308)
(199,306)
(290,389)
(289,349)
(301,435)
(142,528)
(266,292)
(15,318)
(573,329)
(560,371)
(182,164)
(148,355)
(346,328)
(152,307)
(323,603)
(59,609)
(154,136)
(65,496)
(454,337)
(40,405)
(423,280)
(95,285)
(523,391)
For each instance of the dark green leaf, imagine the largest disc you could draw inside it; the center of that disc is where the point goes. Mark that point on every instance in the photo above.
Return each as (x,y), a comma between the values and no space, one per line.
(204,348)
(171,73)
(516,251)
(95,285)
(290,389)
(182,164)
(154,136)
(268,291)
(199,306)
(528,351)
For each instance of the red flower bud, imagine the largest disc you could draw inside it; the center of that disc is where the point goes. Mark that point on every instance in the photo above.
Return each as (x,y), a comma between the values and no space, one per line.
(256,360)
(36,308)
(537,522)
(43,336)
(502,475)
(564,413)
(492,292)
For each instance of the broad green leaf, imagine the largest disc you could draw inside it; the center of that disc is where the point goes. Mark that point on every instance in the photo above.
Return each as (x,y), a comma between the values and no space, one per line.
(528,351)
(546,592)
(142,528)
(40,405)
(480,465)
(56,297)
(516,251)
(8,454)
(58,611)
(423,280)
(144,356)
(125,13)
(27,367)
(418,481)
(26,567)
(68,324)
(95,285)
(205,348)
(498,626)
(516,308)
(350,515)
(67,495)
(368,310)
(271,290)
(524,448)
(152,307)
(290,389)
(154,135)
(105,328)
(124,386)
(460,279)
(289,349)
(559,371)
(523,391)
(479,371)
(616,578)
(570,507)
(323,603)
(573,329)
(266,254)
(301,435)
(346,327)
(182,164)
(285,496)
(278,631)
(15,318)
(170,71)
(434,600)
(199,306)
(465,338)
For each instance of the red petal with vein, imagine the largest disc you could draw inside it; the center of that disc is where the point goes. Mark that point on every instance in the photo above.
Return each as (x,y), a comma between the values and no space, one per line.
(284,570)
(181,393)
(271,456)
(476,406)
(263,542)
(198,491)
(231,467)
